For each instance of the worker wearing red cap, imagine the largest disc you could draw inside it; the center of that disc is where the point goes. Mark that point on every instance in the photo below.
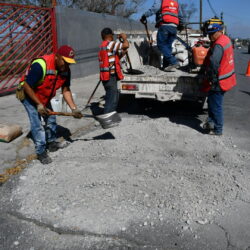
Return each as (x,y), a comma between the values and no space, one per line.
(44,76)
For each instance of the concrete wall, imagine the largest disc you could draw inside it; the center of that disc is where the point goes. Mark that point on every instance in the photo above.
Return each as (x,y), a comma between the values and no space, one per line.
(81,30)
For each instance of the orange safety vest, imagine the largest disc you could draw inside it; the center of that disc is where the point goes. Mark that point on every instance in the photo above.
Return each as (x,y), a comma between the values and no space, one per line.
(169,12)
(104,63)
(51,82)
(226,71)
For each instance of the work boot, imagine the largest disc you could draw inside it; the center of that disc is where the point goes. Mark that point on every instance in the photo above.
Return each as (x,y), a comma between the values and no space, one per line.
(208,126)
(109,120)
(44,158)
(212,132)
(54,146)
(171,67)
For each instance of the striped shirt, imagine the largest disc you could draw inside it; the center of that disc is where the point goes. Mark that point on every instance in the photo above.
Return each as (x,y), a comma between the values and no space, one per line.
(114,48)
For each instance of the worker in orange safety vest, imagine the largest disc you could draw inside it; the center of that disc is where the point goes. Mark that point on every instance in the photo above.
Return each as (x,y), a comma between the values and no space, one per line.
(168,19)
(220,77)
(43,77)
(110,69)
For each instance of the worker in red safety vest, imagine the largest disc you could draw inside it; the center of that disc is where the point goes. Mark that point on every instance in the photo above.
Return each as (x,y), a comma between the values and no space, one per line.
(110,69)
(43,77)
(220,77)
(168,19)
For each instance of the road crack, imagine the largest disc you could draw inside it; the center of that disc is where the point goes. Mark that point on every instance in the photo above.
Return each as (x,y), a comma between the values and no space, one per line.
(83,233)
(227,236)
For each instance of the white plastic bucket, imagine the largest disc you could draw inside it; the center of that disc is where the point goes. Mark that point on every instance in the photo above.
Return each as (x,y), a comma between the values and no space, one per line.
(59,104)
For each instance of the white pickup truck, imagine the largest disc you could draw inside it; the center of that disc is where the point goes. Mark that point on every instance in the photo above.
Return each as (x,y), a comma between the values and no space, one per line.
(156,84)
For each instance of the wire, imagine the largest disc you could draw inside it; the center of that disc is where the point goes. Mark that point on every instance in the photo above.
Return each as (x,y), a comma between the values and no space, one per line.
(211,7)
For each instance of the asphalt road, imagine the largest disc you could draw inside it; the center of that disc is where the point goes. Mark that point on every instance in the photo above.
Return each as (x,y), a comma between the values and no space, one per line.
(237,103)
(19,232)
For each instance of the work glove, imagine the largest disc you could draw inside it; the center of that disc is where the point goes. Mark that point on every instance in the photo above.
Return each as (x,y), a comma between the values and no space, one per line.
(77,113)
(143,19)
(122,37)
(42,110)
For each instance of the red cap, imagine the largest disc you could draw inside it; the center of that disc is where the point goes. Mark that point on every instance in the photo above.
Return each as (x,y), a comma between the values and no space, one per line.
(67,53)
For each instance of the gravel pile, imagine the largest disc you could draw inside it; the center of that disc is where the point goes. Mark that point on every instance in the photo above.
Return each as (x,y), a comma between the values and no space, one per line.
(144,172)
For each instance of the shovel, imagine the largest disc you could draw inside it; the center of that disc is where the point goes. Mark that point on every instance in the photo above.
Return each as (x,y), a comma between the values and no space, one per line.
(67,114)
(153,57)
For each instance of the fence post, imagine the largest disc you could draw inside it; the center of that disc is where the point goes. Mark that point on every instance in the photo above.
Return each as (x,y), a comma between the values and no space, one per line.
(54,31)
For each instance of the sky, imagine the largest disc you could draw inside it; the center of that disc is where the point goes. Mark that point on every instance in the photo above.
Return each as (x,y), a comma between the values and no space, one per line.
(236,14)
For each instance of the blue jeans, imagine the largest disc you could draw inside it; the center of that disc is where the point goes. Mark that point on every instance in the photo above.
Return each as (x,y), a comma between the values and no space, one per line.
(165,37)
(40,134)
(215,110)
(112,95)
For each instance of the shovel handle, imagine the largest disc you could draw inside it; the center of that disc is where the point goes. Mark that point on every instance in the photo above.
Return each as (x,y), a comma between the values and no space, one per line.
(149,40)
(92,94)
(61,113)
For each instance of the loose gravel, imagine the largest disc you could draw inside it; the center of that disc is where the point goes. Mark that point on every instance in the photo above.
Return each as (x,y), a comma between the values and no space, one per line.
(143,172)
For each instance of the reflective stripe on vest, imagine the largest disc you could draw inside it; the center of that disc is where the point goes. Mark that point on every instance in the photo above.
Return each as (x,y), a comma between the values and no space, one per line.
(104,69)
(51,72)
(104,48)
(169,13)
(227,46)
(222,77)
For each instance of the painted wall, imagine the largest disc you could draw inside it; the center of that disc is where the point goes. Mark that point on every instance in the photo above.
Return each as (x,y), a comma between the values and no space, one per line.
(81,30)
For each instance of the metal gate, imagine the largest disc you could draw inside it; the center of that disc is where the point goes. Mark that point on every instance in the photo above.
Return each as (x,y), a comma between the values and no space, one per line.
(26,32)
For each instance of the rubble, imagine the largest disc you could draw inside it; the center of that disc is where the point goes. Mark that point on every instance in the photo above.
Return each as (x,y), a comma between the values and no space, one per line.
(103,186)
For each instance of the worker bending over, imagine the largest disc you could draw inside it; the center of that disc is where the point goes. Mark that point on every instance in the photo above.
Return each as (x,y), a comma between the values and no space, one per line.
(36,89)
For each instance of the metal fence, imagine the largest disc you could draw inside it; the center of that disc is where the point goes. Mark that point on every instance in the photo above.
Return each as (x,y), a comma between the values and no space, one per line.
(26,32)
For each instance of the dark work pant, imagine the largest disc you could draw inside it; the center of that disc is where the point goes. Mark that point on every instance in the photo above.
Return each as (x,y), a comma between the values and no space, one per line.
(165,38)
(112,95)
(215,109)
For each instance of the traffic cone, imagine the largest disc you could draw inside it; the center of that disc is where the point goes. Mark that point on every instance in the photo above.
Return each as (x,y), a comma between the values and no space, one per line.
(248,69)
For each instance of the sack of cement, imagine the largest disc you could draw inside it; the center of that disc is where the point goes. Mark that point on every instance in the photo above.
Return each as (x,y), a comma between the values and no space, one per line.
(109,120)
(9,132)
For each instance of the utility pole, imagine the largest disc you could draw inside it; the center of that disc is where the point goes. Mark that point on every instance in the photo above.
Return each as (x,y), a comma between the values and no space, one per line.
(200,14)
(221,16)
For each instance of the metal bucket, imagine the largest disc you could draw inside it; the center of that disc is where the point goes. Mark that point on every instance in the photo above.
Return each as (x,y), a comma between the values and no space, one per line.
(109,120)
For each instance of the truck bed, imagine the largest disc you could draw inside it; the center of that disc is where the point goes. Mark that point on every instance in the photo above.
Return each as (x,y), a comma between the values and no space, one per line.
(163,86)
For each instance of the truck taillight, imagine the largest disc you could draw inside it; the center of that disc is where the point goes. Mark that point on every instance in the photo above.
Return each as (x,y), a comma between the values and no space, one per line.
(129,87)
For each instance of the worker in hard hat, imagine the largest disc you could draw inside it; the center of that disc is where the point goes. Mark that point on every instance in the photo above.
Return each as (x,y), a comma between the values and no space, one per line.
(220,76)
(36,89)
(168,19)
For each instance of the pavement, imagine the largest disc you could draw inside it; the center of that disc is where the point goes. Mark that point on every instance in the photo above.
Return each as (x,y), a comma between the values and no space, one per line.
(154,182)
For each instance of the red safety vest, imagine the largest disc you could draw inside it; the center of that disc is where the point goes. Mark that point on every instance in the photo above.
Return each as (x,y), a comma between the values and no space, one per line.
(52,81)
(104,63)
(226,71)
(227,76)
(169,12)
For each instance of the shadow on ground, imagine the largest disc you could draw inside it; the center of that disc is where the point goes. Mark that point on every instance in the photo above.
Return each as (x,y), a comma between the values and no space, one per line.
(180,112)
(245,92)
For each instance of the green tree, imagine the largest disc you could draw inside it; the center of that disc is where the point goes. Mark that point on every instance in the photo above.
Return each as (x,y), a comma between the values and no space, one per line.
(187,10)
